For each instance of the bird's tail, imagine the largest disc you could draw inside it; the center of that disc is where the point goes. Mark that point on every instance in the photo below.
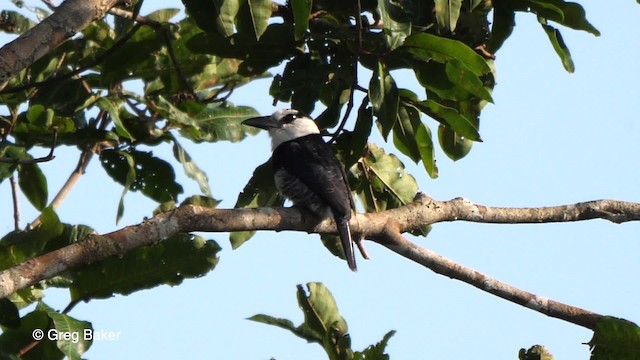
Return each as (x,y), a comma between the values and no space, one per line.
(345,236)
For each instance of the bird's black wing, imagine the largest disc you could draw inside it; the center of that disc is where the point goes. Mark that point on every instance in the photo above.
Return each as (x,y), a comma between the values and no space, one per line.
(312,161)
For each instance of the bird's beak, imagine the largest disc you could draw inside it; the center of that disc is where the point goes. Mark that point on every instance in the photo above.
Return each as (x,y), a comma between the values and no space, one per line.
(262,122)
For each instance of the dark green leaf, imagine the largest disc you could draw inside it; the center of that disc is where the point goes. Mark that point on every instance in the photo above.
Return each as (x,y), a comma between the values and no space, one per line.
(404,132)
(276,45)
(260,191)
(138,170)
(447,13)
(19,246)
(33,184)
(10,151)
(615,339)
(397,24)
(377,351)
(454,145)
(253,17)
(383,94)
(558,45)
(504,20)
(13,341)
(9,315)
(169,262)
(301,12)
(120,166)
(214,16)
(191,169)
(351,145)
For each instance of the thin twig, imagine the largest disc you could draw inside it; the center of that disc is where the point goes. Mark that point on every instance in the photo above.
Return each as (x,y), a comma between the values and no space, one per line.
(16,203)
(76,174)
(164,30)
(354,82)
(49,157)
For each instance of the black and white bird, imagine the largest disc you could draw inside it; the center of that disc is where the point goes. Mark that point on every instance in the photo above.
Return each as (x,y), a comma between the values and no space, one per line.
(307,172)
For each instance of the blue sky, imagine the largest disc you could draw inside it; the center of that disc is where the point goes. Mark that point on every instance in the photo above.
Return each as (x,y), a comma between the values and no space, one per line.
(551,138)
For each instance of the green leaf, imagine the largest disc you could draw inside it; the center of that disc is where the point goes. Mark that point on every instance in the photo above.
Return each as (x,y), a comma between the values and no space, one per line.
(333,243)
(260,191)
(200,200)
(177,258)
(383,93)
(569,14)
(558,45)
(377,351)
(301,12)
(451,117)
(211,123)
(33,184)
(154,177)
(9,315)
(112,106)
(360,135)
(321,316)
(536,352)
(216,16)
(382,181)
(191,169)
(77,343)
(279,322)
(447,13)
(426,148)
(404,132)
(396,21)
(253,17)
(120,166)
(14,22)
(163,15)
(12,152)
(504,20)
(454,145)
(465,79)
(19,246)
(14,340)
(424,47)
(615,339)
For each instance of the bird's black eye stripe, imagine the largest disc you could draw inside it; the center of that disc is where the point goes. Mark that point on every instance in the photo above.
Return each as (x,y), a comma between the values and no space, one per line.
(289,118)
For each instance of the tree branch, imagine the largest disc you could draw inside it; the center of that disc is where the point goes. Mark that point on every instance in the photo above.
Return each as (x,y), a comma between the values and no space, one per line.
(69,18)
(384,227)
(392,239)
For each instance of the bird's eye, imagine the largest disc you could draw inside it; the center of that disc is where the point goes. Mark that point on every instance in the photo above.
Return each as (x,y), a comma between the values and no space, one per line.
(289,118)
